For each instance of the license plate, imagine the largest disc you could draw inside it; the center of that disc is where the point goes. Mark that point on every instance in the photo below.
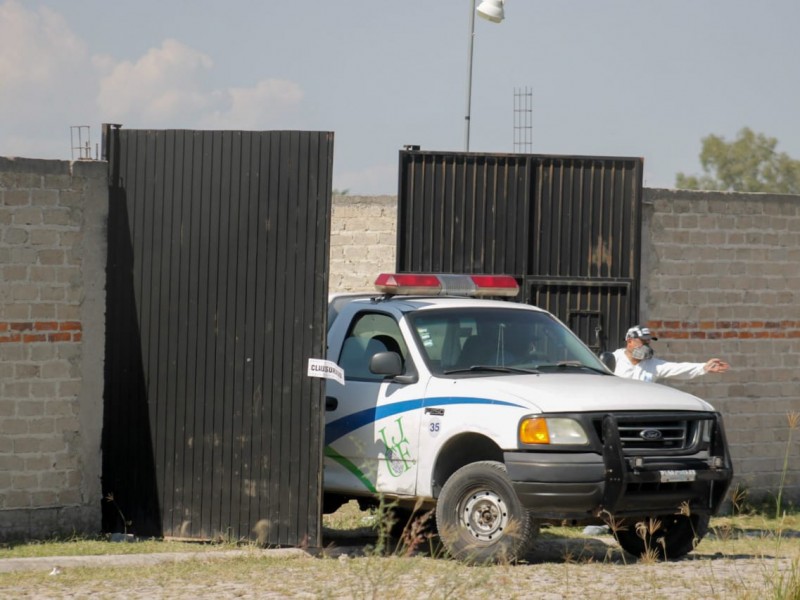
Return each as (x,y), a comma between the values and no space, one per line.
(673,476)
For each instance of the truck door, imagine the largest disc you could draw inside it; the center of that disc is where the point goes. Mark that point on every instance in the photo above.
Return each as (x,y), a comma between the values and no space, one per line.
(372,422)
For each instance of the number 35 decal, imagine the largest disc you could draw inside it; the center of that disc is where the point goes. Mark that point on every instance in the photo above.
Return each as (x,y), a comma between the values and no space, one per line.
(434,427)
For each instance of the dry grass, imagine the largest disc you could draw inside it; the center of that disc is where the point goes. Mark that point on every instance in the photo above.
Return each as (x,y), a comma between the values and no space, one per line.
(744,557)
(81,546)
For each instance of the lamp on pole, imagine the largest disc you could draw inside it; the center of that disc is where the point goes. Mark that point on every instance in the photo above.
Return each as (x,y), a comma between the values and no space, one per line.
(491,10)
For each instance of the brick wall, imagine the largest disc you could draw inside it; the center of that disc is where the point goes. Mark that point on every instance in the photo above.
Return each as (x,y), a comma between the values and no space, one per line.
(720,277)
(52,261)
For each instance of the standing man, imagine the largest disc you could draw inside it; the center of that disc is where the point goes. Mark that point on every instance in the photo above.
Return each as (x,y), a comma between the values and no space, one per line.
(635,361)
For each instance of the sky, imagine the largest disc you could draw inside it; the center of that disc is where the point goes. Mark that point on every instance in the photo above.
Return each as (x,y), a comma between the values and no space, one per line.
(641,78)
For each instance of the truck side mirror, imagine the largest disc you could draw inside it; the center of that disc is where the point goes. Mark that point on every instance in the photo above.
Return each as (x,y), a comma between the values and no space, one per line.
(389,364)
(386,363)
(608,359)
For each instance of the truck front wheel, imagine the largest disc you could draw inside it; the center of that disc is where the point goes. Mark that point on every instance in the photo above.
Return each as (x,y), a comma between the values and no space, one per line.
(479,516)
(666,537)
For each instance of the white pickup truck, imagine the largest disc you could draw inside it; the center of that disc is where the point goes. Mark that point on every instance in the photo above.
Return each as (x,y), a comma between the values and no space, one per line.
(497,415)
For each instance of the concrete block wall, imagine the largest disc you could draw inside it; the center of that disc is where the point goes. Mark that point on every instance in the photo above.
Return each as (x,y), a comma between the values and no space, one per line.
(363,241)
(720,277)
(52,268)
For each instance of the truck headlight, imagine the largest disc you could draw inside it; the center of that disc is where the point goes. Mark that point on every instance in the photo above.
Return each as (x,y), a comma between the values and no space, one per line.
(551,430)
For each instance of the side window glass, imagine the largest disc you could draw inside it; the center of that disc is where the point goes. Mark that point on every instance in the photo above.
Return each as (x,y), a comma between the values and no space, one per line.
(370,333)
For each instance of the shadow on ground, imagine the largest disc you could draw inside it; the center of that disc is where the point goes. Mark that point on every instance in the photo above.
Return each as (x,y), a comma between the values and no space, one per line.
(550,546)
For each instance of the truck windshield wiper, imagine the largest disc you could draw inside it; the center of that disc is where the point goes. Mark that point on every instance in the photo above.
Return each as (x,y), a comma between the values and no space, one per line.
(571,364)
(492,368)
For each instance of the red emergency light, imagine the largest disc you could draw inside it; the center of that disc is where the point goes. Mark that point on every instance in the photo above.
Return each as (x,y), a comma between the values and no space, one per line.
(445,284)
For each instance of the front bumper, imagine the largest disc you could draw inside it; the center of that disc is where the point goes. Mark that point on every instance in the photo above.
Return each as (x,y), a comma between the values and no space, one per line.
(580,485)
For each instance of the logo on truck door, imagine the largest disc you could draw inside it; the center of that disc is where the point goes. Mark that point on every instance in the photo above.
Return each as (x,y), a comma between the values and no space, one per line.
(397,454)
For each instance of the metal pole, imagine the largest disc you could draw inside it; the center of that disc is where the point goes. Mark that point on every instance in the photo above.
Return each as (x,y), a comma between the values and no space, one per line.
(469,76)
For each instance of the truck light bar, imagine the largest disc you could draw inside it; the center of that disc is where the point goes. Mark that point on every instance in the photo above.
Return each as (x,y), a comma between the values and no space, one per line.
(442,284)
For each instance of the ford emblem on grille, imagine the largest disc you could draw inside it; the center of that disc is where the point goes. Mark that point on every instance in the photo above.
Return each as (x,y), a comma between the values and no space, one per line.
(650,434)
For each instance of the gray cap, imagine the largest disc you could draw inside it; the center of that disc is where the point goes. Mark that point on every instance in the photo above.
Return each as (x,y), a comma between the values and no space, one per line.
(639,332)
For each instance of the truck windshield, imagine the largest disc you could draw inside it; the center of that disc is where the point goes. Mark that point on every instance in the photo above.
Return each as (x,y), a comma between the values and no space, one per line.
(498,340)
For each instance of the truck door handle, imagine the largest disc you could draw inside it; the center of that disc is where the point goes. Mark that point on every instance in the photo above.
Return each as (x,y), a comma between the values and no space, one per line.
(331,403)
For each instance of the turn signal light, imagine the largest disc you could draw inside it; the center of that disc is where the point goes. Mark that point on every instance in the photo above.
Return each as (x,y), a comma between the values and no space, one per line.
(534,431)
(552,430)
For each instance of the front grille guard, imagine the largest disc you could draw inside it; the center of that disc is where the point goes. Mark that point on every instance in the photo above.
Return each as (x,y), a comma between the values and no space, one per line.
(672,435)
(705,494)
(679,433)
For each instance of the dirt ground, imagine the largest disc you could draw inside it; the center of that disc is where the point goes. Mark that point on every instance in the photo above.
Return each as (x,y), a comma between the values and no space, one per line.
(557,567)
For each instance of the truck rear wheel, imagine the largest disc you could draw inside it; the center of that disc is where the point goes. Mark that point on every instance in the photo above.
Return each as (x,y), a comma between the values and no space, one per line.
(479,516)
(666,537)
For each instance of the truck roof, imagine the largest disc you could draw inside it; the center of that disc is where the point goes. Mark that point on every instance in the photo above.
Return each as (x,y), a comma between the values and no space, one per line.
(410,292)
(428,302)
(414,303)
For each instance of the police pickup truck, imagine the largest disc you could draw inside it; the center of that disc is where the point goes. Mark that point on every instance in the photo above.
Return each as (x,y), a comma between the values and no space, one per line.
(495,414)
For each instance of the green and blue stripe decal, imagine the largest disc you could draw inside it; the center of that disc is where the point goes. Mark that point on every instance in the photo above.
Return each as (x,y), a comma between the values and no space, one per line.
(341,427)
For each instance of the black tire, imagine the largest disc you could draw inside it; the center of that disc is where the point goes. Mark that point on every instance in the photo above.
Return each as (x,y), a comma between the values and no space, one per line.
(676,536)
(479,516)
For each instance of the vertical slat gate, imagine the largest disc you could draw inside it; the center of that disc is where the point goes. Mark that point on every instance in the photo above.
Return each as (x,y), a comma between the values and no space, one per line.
(568,227)
(217,297)
(585,256)
(463,213)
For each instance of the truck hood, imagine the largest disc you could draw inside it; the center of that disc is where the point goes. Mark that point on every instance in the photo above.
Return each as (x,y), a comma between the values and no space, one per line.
(573,392)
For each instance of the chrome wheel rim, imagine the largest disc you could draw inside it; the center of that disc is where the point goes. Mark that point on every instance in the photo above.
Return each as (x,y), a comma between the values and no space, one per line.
(485,515)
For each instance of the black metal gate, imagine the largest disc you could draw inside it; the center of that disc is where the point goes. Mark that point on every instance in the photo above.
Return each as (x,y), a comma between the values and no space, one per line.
(217,295)
(568,227)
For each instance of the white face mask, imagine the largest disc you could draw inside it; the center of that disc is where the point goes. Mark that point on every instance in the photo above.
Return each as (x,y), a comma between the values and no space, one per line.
(642,352)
